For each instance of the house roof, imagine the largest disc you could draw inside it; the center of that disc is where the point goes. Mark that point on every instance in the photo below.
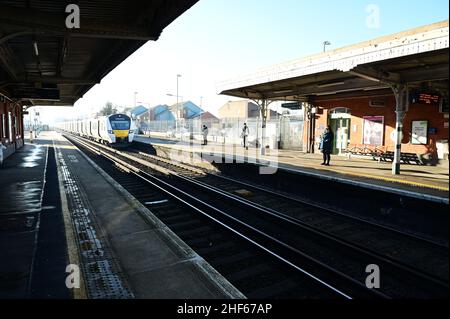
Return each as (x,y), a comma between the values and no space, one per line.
(205,116)
(138,110)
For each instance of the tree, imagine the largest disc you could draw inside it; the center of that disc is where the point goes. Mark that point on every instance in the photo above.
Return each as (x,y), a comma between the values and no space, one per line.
(108,109)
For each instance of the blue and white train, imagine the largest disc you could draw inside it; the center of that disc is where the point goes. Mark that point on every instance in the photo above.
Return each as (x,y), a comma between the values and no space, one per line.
(115,129)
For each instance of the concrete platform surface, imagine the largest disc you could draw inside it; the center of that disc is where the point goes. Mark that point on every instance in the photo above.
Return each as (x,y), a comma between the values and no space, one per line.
(145,259)
(33,251)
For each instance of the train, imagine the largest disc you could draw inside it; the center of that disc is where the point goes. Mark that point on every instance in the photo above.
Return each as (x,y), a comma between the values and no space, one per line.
(116,129)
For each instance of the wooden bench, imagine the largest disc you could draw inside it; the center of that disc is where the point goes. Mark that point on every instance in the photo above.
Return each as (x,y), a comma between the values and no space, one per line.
(406,158)
(380,153)
(365,150)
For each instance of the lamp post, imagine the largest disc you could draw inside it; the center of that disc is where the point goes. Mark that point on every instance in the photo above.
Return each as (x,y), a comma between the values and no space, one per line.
(177,109)
(325,43)
(135,94)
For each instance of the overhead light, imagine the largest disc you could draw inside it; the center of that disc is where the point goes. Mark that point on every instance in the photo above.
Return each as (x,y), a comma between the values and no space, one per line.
(282,92)
(330,84)
(365,76)
(338,91)
(373,88)
(36,51)
(326,93)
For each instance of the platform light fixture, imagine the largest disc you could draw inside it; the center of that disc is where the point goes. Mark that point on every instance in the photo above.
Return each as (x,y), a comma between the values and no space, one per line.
(36,51)
(177,108)
(325,43)
(373,88)
(330,84)
(283,91)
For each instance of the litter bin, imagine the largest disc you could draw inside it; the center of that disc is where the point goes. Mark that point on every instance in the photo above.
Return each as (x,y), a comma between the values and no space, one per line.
(442,149)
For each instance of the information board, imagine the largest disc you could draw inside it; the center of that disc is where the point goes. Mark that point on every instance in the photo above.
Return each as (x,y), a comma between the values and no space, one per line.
(419,132)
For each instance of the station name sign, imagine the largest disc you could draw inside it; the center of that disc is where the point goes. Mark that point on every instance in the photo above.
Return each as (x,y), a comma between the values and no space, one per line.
(292,105)
(49,94)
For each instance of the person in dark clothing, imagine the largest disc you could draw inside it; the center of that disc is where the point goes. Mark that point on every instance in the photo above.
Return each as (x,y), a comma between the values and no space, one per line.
(244,134)
(326,145)
(205,135)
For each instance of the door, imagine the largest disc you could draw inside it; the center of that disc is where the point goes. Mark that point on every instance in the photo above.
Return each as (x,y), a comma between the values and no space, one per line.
(340,124)
(342,136)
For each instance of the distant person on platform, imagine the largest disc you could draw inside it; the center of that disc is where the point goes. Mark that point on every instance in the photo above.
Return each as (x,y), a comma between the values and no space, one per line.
(244,135)
(326,145)
(205,135)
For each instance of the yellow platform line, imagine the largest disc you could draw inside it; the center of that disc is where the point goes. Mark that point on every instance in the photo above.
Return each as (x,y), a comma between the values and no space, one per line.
(376,177)
(382,178)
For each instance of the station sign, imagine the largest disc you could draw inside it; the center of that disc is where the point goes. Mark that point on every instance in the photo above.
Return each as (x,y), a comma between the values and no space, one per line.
(48,94)
(292,105)
(425,98)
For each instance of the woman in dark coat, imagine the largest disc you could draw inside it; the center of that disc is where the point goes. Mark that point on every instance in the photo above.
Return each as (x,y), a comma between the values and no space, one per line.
(326,145)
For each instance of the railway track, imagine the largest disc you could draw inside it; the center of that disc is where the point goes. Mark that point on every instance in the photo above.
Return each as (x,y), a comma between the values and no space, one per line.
(330,265)
(429,257)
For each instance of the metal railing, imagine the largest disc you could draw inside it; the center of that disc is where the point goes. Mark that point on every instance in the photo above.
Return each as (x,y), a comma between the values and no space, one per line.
(281,132)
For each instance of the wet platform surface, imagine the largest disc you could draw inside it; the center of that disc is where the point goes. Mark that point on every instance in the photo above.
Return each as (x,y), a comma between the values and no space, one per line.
(22,182)
(32,246)
(427,181)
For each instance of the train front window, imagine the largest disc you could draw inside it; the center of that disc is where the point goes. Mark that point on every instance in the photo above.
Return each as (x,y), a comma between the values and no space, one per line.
(120,124)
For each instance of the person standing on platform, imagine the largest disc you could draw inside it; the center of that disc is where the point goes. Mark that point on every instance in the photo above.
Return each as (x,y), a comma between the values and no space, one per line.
(326,145)
(2,147)
(205,135)
(244,135)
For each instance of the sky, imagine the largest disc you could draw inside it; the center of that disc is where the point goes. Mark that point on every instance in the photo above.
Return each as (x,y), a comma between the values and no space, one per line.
(220,39)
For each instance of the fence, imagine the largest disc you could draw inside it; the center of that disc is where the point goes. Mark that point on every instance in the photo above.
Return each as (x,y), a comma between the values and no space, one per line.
(282,132)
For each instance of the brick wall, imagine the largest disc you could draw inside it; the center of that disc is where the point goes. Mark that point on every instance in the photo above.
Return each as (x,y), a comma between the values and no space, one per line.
(359,107)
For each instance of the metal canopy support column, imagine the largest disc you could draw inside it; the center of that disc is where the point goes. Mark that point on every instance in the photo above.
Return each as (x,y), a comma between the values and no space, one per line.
(263,107)
(311,115)
(401,98)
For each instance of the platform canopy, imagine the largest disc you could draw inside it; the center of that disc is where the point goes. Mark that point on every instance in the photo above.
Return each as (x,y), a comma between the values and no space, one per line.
(414,56)
(43,62)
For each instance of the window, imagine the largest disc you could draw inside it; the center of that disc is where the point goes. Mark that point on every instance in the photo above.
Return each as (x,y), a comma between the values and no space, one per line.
(10,126)
(3,135)
(120,124)
(340,110)
(443,105)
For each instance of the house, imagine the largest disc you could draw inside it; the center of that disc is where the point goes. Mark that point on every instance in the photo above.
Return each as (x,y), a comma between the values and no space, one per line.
(243,109)
(188,110)
(157,113)
(206,116)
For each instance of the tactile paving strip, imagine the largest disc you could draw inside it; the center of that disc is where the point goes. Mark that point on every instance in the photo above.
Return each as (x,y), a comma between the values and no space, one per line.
(102,274)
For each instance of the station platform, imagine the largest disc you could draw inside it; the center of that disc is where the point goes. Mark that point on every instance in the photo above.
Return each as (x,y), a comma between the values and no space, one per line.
(428,182)
(33,251)
(121,249)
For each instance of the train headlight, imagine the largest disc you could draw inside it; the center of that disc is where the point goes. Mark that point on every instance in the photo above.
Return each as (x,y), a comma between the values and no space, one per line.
(110,132)
(131,132)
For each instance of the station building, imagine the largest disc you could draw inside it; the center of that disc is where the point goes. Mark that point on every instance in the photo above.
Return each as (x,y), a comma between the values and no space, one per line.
(11,126)
(368,120)
(388,94)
